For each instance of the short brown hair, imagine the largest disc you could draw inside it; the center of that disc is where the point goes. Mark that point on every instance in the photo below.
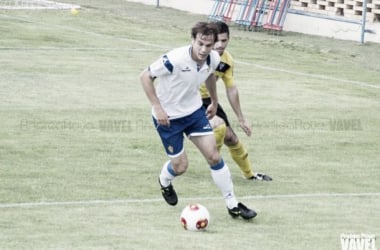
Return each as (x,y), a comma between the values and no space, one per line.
(222,28)
(205,29)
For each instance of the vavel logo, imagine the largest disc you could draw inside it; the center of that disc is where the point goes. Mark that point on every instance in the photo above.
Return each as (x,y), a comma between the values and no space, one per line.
(358,241)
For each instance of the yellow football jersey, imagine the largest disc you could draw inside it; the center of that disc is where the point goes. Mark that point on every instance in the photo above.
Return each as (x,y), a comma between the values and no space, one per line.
(223,71)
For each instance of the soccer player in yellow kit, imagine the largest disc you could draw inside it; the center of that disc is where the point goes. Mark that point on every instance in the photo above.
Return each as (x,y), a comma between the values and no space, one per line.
(222,129)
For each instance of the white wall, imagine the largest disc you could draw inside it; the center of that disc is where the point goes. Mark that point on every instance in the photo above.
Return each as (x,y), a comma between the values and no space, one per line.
(293,22)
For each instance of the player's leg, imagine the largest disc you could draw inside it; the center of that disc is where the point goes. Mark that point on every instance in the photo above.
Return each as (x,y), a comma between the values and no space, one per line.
(202,136)
(239,154)
(219,128)
(217,124)
(221,176)
(219,170)
(174,167)
(237,150)
(172,140)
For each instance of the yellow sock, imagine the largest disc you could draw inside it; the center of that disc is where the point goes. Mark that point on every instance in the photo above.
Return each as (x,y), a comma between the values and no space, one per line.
(240,155)
(220,133)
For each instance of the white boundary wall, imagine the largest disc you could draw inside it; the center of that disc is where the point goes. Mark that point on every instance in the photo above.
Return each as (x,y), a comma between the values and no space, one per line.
(35,5)
(293,22)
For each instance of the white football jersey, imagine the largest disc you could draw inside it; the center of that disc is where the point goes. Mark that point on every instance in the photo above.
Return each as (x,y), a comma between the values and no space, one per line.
(179,80)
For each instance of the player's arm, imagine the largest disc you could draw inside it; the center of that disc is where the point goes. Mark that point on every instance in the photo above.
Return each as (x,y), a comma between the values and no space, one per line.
(234,99)
(147,82)
(211,87)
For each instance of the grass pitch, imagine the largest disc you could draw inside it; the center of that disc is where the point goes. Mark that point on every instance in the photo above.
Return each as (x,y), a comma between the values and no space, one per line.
(79,157)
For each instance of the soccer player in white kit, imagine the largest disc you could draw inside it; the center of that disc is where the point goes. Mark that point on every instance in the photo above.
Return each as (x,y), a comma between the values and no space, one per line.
(177,110)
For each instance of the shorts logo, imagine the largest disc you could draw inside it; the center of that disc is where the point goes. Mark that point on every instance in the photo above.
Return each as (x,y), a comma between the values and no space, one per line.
(207,127)
(170,149)
(358,241)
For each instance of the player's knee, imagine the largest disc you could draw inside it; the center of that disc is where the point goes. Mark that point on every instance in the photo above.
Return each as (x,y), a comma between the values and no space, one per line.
(231,139)
(214,158)
(180,166)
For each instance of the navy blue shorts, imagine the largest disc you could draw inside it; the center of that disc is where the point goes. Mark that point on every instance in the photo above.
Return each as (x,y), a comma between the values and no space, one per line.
(172,136)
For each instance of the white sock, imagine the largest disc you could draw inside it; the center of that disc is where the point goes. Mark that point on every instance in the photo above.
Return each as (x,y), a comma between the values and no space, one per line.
(167,174)
(222,177)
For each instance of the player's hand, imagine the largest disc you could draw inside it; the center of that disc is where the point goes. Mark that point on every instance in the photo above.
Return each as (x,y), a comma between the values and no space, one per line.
(246,128)
(161,116)
(211,111)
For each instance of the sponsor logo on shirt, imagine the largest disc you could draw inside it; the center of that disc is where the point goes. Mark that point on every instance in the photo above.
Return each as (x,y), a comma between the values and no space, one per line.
(187,69)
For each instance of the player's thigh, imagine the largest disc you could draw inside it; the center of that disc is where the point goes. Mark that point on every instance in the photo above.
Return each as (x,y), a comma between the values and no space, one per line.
(221,114)
(216,121)
(207,146)
(172,138)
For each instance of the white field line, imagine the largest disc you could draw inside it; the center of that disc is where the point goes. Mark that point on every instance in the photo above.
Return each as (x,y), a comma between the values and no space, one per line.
(136,201)
(151,45)
(79,49)
(323,77)
(89,32)
(164,48)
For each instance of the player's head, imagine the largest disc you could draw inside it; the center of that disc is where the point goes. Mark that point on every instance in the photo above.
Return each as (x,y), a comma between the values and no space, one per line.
(222,28)
(204,36)
(222,38)
(205,29)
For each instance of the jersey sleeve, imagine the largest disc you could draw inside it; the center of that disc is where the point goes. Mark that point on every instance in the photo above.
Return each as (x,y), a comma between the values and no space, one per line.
(162,66)
(228,78)
(226,70)
(216,61)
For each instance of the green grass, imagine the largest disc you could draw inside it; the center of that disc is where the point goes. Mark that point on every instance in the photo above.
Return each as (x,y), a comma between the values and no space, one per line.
(79,157)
